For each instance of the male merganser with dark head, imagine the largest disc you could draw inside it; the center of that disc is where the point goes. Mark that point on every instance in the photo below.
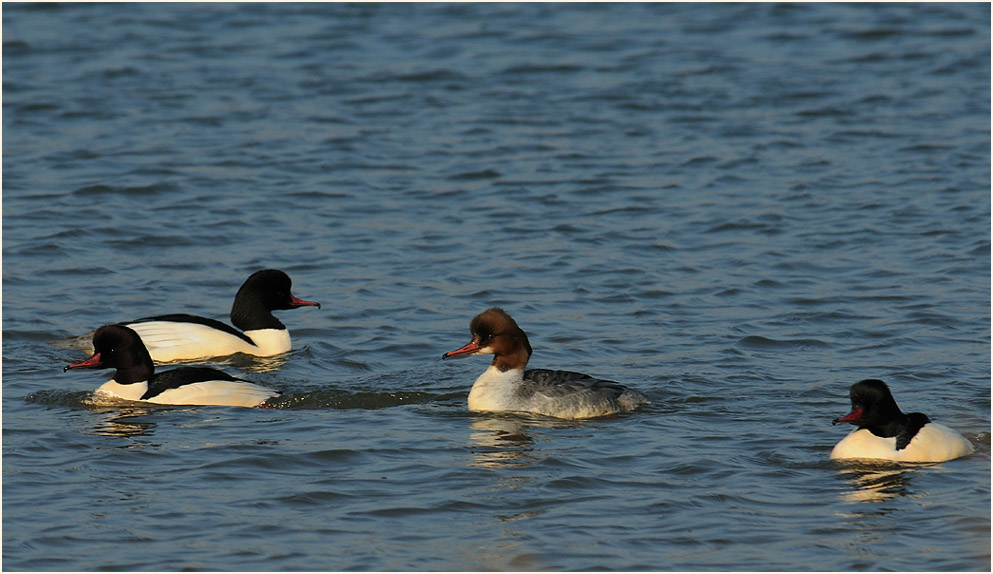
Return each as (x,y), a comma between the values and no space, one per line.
(885,432)
(181,336)
(118,347)
(506,386)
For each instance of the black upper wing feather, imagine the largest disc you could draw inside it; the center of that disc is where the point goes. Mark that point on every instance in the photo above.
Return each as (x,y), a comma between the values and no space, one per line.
(915,423)
(187,318)
(175,378)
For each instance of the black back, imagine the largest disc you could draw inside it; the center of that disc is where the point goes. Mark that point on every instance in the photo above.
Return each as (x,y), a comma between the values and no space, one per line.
(175,378)
(186,318)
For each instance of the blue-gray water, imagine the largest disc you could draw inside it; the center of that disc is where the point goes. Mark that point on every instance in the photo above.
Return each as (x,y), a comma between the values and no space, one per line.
(738,210)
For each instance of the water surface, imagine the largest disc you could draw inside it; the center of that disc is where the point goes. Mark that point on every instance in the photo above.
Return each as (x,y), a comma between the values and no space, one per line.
(739,210)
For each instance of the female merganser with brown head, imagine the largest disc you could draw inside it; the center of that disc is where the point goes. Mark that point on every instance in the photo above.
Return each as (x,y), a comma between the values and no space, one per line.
(506,387)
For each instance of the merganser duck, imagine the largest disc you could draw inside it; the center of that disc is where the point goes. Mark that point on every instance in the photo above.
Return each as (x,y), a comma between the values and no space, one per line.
(118,347)
(885,432)
(181,336)
(506,387)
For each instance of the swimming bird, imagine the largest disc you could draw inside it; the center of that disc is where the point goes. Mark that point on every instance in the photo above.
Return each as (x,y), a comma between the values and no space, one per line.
(885,432)
(506,387)
(118,347)
(181,336)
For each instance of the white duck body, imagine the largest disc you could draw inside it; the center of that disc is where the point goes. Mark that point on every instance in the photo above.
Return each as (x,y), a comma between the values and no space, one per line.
(216,392)
(256,331)
(886,433)
(184,340)
(118,347)
(933,443)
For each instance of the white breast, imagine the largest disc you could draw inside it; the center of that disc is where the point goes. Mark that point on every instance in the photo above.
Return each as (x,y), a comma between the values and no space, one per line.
(933,443)
(270,341)
(496,391)
(113,389)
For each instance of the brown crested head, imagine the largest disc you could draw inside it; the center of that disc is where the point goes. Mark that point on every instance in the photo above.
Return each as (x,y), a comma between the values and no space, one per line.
(496,325)
(494,332)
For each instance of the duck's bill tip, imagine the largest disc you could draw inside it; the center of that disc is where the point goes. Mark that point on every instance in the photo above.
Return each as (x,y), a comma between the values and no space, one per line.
(853,417)
(468,349)
(91,363)
(302,303)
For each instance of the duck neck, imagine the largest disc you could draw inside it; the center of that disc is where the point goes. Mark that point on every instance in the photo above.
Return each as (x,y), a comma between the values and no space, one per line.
(250,313)
(139,368)
(516,359)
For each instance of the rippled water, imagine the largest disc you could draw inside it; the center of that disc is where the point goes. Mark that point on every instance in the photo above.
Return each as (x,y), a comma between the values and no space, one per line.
(738,210)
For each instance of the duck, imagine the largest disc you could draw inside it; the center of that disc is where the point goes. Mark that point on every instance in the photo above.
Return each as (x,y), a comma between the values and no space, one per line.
(885,432)
(119,347)
(505,386)
(183,337)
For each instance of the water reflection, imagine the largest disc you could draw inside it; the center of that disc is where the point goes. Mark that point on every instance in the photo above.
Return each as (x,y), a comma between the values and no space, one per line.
(500,442)
(123,422)
(877,482)
(503,442)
